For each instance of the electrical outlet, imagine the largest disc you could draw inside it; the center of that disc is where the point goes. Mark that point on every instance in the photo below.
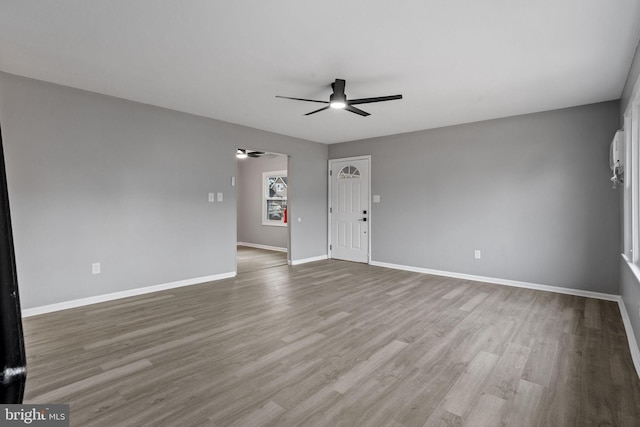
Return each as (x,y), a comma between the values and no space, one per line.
(95,268)
(477,254)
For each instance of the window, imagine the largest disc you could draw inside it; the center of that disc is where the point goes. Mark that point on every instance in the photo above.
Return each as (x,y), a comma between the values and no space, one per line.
(274,198)
(634,193)
(348,172)
(627,212)
(631,206)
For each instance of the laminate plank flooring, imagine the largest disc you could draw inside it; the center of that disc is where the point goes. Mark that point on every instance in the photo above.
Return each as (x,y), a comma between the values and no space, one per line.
(334,343)
(254,259)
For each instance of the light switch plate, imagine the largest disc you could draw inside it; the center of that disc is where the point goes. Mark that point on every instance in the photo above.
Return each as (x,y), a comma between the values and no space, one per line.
(212,197)
(219,196)
(376,198)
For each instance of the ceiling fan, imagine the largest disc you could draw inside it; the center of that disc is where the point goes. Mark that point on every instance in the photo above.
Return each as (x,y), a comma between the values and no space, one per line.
(243,153)
(338,99)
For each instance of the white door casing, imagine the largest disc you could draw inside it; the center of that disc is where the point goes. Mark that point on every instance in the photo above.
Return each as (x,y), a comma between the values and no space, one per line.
(349,209)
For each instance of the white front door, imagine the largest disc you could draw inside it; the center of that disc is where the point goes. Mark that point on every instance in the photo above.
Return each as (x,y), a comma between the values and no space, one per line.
(349,209)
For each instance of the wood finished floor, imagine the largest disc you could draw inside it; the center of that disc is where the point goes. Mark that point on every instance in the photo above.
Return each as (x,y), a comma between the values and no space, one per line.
(334,343)
(253,259)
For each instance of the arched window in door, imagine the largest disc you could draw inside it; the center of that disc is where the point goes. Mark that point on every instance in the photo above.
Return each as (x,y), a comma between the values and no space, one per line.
(349,172)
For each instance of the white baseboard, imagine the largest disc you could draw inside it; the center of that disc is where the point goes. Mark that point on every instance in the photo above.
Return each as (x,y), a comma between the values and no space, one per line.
(306,260)
(266,247)
(633,344)
(515,283)
(122,294)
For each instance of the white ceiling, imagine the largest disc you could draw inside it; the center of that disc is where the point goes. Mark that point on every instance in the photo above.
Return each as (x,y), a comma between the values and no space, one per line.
(454,61)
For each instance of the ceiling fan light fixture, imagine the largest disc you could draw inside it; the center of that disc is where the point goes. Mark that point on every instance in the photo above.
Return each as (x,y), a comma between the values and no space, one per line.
(241,154)
(337,100)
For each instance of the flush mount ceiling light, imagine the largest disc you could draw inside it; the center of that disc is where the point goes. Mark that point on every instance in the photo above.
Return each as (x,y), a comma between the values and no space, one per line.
(336,101)
(339,100)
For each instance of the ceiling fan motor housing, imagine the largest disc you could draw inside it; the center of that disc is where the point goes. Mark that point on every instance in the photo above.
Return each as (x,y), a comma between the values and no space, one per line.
(335,97)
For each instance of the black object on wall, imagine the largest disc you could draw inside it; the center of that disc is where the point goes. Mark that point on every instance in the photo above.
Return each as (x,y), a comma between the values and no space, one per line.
(12,355)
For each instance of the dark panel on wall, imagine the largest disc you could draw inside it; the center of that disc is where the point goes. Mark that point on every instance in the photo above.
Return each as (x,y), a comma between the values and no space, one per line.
(12,356)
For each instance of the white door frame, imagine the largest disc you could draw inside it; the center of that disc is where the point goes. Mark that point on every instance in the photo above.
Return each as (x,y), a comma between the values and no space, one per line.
(370,216)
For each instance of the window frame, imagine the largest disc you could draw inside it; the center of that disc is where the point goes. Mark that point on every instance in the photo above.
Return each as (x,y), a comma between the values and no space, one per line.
(627,222)
(266,198)
(631,196)
(635,181)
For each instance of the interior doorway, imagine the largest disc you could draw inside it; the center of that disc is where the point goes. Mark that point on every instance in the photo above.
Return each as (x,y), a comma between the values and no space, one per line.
(262,184)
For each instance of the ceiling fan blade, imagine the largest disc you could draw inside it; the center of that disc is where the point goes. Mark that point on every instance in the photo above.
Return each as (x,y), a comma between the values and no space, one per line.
(317,111)
(302,99)
(338,88)
(375,99)
(256,153)
(356,110)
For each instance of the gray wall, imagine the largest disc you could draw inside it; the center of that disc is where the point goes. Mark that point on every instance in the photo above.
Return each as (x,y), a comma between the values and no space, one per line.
(99,179)
(630,292)
(531,192)
(250,228)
